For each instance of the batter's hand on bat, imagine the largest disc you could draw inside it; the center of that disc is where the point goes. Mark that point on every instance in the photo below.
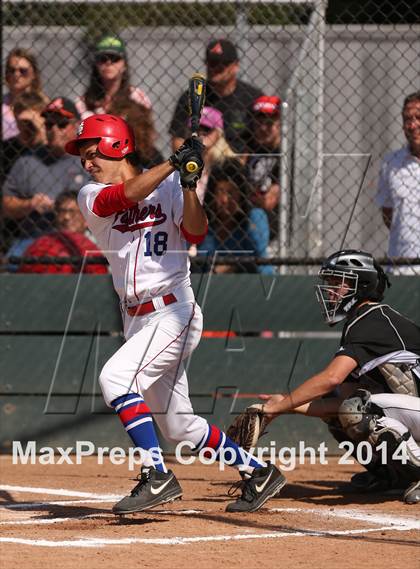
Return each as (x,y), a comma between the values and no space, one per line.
(191,148)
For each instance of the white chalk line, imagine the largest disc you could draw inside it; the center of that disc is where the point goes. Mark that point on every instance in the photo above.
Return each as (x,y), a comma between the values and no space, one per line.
(59,492)
(363,516)
(396,523)
(32,505)
(42,521)
(406,523)
(46,521)
(102,542)
(94,498)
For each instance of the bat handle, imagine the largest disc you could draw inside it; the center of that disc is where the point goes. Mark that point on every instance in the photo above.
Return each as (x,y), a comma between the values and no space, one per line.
(192,166)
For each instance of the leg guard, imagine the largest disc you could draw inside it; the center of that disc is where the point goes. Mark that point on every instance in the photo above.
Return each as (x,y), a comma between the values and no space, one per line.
(340,435)
(403,466)
(358,416)
(363,420)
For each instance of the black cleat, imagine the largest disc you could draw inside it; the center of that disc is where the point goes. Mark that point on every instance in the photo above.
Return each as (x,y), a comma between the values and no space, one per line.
(412,494)
(264,483)
(153,489)
(366,482)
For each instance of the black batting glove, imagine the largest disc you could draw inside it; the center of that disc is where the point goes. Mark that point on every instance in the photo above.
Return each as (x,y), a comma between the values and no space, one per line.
(192,146)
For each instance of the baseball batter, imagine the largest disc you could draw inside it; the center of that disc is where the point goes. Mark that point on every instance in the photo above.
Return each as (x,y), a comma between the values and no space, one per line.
(142,221)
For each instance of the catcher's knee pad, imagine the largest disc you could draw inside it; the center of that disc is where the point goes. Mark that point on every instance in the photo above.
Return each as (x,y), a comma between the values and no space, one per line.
(358,416)
(340,435)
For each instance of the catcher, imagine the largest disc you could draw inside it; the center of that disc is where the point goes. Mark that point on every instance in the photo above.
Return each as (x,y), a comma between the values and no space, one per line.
(370,389)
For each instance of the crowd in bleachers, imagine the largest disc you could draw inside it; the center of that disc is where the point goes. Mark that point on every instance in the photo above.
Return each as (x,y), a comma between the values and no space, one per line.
(240,186)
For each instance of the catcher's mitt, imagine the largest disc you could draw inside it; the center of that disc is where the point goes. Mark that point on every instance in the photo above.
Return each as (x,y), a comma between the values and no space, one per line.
(248,427)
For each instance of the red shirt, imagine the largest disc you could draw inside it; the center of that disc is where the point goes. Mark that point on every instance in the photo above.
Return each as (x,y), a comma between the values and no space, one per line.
(63,244)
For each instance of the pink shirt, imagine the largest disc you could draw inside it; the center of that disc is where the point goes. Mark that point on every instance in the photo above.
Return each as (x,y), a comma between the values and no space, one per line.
(9,128)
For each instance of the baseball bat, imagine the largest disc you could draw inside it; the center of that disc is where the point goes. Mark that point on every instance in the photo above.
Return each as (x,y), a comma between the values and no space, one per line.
(196,98)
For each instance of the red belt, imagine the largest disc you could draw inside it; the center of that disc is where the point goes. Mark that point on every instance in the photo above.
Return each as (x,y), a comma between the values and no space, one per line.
(148,307)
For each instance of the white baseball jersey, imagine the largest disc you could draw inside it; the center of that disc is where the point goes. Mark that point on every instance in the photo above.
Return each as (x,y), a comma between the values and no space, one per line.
(144,244)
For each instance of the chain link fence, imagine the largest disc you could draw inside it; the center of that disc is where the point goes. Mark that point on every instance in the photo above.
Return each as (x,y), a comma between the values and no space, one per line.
(306,148)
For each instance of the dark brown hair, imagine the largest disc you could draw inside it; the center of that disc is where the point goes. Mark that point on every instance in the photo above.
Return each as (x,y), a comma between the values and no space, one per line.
(29,100)
(140,119)
(230,170)
(411,98)
(64,196)
(95,92)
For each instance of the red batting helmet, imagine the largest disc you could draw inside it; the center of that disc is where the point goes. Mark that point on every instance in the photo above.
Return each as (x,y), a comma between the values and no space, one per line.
(116,139)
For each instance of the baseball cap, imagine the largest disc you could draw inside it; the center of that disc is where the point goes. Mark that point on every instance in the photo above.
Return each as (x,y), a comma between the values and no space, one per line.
(210,117)
(221,52)
(110,44)
(63,107)
(267,105)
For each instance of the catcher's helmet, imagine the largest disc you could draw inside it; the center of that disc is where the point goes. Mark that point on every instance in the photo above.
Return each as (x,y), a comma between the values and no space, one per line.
(349,277)
(116,139)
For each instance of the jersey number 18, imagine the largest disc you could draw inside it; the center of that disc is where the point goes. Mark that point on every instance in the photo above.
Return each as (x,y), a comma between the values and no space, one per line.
(158,241)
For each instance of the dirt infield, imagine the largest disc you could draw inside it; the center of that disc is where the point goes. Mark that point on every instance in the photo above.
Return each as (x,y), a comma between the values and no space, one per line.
(59,515)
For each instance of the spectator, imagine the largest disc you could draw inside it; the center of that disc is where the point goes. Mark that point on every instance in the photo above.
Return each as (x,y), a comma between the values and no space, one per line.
(232,97)
(69,240)
(263,166)
(27,110)
(110,80)
(22,76)
(399,188)
(140,119)
(37,178)
(234,226)
(217,148)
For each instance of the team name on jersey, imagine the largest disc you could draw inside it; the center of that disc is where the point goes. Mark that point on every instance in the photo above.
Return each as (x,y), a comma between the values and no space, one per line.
(135,218)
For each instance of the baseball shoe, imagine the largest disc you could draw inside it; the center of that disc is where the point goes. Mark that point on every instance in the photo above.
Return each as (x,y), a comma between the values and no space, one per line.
(368,482)
(153,489)
(412,494)
(263,484)
(371,482)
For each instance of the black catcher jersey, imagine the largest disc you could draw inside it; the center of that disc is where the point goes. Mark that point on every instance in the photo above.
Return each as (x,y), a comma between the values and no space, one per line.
(378,334)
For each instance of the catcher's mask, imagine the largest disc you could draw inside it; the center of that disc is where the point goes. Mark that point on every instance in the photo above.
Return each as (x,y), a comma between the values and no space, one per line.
(347,278)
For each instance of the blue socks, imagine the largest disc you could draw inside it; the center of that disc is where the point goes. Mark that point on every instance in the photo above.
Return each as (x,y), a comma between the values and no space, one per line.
(138,422)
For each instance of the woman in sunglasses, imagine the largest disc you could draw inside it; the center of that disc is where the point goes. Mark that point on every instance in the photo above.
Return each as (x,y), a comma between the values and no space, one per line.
(109,80)
(22,75)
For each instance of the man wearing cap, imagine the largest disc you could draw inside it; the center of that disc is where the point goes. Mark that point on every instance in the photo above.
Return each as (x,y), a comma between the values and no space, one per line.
(263,165)
(38,177)
(225,92)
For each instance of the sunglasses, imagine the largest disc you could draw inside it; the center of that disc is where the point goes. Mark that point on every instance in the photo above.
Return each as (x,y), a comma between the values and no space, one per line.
(24,71)
(105,57)
(217,66)
(205,130)
(61,122)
